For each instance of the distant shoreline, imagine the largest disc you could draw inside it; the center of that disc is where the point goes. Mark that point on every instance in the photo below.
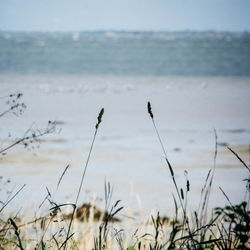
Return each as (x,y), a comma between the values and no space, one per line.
(147,32)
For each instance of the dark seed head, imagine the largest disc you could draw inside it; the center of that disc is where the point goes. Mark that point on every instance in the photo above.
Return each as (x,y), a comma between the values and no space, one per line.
(150,110)
(182,194)
(188,186)
(170,167)
(99,118)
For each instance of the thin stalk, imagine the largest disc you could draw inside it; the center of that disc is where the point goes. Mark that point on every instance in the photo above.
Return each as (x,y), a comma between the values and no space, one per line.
(172,173)
(99,118)
(203,189)
(12,222)
(12,198)
(169,165)
(9,110)
(14,144)
(26,137)
(207,196)
(85,168)
(238,157)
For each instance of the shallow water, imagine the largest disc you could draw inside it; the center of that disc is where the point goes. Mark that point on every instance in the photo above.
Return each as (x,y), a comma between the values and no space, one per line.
(126,150)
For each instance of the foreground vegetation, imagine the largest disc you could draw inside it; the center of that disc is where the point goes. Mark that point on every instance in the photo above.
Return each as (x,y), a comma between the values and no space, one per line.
(58,228)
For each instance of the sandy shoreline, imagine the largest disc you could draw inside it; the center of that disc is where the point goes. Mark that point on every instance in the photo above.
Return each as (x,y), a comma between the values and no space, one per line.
(141,191)
(127,152)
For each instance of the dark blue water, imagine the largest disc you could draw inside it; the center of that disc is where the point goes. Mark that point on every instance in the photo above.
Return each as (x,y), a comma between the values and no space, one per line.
(135,54)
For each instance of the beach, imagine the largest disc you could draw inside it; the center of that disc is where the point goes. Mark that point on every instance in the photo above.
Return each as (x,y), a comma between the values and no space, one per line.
(126,152)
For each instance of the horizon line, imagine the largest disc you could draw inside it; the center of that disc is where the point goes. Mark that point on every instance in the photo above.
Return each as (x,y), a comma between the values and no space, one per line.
(127,31)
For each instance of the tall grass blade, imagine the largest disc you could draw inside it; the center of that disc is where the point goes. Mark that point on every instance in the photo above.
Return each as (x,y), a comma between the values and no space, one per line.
(238,157)
(12,222)
(12,198)
(165,154)
(99,119)
(60,179)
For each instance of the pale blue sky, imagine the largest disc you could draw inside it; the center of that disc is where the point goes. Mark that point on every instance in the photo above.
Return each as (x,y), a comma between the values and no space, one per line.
(166,15)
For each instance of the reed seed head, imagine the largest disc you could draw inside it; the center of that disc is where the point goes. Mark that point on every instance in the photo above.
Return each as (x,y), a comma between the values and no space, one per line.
(99,118)
(188,186)
(170,167)
(182,194)
(150,110)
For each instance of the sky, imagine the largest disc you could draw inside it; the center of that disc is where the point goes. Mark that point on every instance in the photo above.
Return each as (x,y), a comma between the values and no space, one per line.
(132,15)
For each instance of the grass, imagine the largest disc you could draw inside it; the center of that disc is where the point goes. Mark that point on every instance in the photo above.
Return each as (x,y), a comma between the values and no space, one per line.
(58,228)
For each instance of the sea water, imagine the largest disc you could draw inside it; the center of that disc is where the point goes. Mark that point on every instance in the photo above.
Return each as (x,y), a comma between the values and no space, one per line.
(197,83)
(126,54)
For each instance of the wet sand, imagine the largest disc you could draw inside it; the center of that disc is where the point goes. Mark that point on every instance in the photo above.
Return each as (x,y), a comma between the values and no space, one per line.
(126,150)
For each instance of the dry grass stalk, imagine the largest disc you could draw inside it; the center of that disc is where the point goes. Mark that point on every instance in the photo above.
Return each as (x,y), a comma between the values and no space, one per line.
(99,119)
